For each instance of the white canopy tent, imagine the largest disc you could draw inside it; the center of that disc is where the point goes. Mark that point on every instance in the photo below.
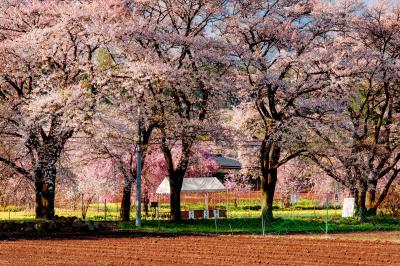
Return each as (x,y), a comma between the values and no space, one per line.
(196,184)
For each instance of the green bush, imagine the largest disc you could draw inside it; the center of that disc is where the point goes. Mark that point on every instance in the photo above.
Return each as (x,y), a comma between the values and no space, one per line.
(383,219)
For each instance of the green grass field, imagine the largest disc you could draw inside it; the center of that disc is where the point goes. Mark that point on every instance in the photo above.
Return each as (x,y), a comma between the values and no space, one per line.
(255,226)
(243,218)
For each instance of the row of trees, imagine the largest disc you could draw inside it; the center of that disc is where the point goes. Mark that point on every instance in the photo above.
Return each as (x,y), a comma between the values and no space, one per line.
(306,79)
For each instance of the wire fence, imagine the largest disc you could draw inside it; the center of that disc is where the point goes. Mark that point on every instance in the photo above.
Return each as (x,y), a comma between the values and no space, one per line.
(241,213)
(232,213)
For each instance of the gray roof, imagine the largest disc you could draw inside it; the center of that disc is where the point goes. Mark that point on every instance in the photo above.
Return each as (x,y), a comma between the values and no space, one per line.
(225,162)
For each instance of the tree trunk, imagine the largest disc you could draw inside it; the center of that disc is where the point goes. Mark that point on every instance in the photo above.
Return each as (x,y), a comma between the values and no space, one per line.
(361,198)
(371,197)
(175,183)
(45,177)
(268,184)
(45,151)
(126,201)
(146,202)
(270,152)
(176,174)
(373,206)
(236,201)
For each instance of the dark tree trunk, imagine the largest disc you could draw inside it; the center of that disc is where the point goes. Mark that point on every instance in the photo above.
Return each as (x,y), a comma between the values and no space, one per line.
(175,183)
(361,199)
(270,153)
(371,197)
(236,200)
(45,177)
(45,151)
(176,174)
(268,184)
(146,202)
(126,201)
(365,200)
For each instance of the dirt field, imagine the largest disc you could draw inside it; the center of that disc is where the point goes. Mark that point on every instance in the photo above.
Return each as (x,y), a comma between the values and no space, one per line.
(343,249)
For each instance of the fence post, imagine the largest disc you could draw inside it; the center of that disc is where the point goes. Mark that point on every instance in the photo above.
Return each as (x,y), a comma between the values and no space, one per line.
(262,224)
(105,210)
(215,223)
(83,208)
(227,202)
(327,213)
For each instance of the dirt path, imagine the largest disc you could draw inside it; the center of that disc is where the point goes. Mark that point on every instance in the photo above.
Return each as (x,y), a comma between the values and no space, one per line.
(201,250)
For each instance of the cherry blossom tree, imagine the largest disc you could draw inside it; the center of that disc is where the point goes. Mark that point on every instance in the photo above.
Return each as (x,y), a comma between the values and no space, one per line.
(277,46)
(95,179)
(237,183)
(295,177)
(49,87)
(363,152)
(299,77)
(114,137)
(180,72)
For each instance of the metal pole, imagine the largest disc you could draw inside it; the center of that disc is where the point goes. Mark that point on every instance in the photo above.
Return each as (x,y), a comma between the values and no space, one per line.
(105,209)
(139,172)
(227,202)
(327,213)
(158,211)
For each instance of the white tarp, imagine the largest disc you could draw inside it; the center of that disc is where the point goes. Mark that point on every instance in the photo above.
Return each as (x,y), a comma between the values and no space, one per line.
(348,208)
(194,184)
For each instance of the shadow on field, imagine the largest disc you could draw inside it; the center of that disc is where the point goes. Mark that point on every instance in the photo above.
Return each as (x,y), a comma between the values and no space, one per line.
(14,236)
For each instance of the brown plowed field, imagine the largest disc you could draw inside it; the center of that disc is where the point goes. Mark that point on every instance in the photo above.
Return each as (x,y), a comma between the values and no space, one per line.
(205,250)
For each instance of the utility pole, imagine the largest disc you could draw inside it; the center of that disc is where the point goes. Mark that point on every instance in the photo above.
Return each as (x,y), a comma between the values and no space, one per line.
(139,172)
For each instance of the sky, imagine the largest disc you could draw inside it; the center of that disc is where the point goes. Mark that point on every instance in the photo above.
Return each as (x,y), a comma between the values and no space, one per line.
(370,2)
